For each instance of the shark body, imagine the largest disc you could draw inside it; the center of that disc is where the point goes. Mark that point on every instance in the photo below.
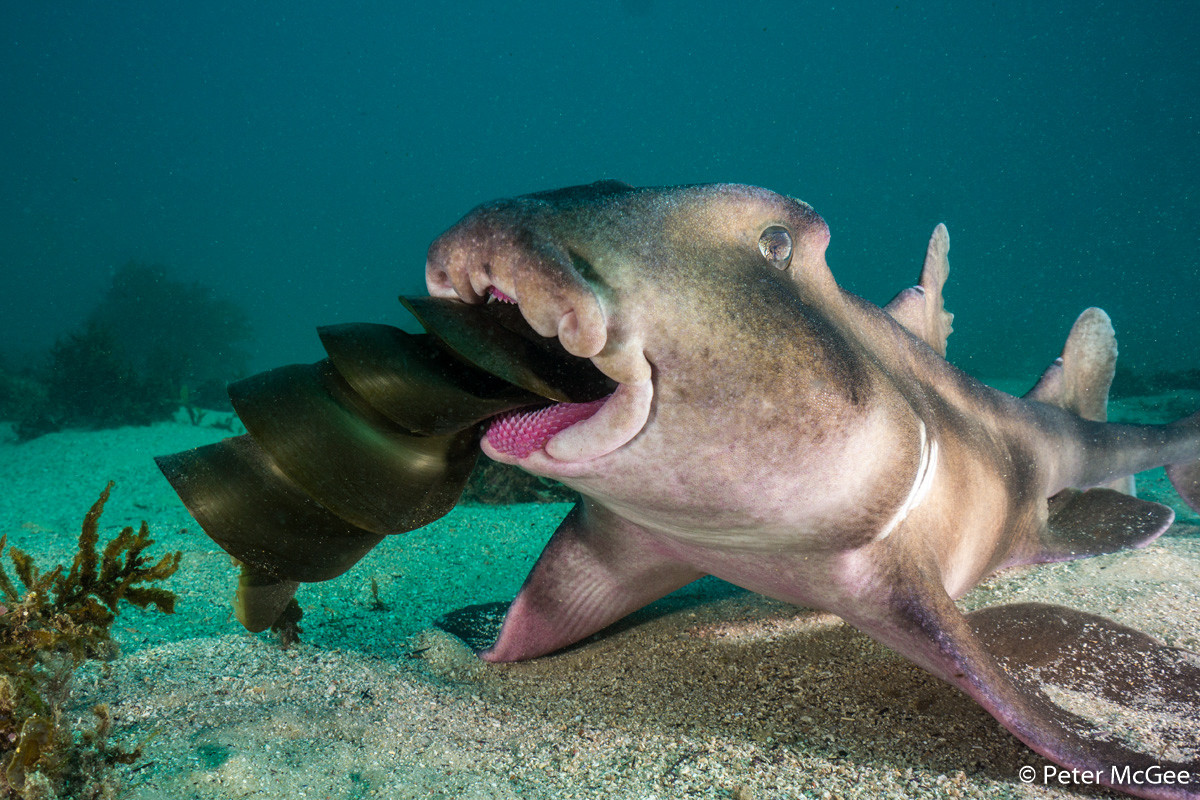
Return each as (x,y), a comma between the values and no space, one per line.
(769,428)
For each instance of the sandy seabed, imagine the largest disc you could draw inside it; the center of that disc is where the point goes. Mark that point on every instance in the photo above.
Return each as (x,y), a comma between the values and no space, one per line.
(711,693)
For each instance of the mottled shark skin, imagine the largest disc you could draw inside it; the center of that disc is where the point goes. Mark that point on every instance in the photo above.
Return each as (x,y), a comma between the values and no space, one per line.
(780,433)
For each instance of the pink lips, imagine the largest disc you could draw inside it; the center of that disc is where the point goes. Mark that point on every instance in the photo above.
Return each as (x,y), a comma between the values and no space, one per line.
(521,432)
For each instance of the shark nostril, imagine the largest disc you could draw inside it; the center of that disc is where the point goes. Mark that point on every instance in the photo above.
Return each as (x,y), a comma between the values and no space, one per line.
(581,340)
(436,276)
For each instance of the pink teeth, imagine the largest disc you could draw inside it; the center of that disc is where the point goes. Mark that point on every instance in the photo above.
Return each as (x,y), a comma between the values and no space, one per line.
(521,432)
(499,295)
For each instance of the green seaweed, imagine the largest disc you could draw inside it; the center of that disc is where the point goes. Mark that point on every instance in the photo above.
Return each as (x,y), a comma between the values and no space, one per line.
(62,618)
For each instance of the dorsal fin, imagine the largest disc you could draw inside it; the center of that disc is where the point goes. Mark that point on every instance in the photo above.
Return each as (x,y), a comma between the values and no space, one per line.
(921,308)
(1079,379)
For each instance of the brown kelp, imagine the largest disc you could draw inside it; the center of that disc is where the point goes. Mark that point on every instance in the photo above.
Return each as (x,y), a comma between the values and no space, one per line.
(377,439)
(59,619)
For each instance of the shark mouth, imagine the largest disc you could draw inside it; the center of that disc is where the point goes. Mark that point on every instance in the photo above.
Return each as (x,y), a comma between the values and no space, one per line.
(519,433)
(572,410)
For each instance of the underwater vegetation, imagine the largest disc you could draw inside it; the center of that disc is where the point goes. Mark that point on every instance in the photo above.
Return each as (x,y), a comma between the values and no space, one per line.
(150,345)
(182,333)
(20,393)
(60,619)
(89,384)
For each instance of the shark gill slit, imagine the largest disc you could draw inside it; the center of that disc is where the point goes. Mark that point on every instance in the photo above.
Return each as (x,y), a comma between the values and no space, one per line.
(922,481)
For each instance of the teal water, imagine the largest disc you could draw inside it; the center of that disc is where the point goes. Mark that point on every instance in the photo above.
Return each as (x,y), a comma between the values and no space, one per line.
(301,157)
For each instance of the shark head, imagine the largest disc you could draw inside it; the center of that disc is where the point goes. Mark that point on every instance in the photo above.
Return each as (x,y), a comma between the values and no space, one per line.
(697,302)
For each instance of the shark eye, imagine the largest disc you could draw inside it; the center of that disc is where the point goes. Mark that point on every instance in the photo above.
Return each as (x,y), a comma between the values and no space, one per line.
(775,244)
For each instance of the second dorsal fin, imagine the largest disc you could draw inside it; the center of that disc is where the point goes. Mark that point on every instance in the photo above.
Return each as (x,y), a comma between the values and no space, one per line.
(1079,379)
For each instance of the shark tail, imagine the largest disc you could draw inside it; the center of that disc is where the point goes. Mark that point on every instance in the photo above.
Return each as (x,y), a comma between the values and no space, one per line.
(1107,517)
(1185,477)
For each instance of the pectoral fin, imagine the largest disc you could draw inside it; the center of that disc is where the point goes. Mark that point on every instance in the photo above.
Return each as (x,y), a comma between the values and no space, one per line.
(1091,685)
(594,571)
(1052,676)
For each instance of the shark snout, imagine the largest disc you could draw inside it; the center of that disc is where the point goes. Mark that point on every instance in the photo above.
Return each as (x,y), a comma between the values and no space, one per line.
(494,254)
(504,252)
